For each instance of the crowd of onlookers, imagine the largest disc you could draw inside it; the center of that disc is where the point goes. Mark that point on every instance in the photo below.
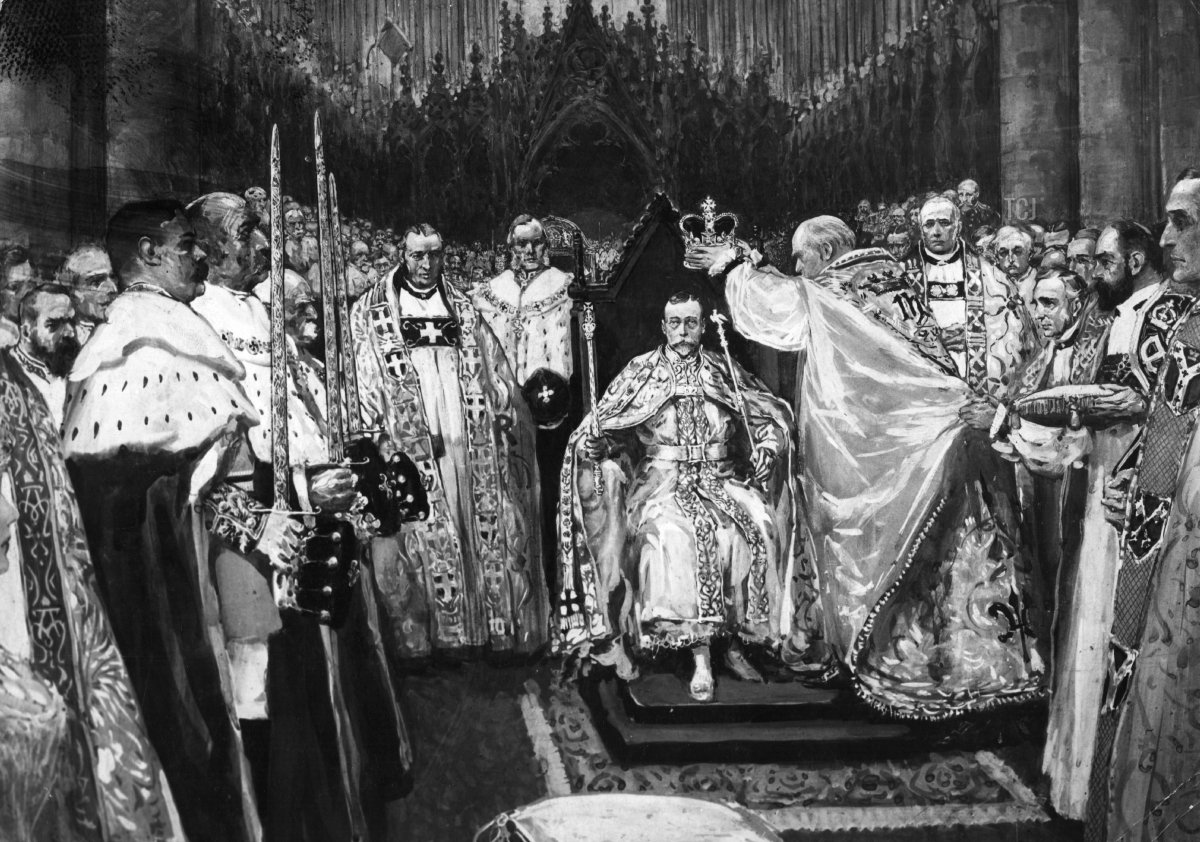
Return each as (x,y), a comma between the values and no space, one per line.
(895,226)
(373,250)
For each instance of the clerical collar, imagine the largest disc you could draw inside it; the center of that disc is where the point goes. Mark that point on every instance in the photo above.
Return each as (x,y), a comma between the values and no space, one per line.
(942,259)
(1068,338)
(422,294)
(146,286)
(1137,300)
(31,364)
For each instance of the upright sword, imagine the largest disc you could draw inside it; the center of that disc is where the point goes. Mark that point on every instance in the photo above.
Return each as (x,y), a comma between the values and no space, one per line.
(280,465)
(347,368)
(333,385)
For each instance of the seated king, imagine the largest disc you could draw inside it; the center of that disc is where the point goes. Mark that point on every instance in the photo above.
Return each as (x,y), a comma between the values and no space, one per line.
(677,515)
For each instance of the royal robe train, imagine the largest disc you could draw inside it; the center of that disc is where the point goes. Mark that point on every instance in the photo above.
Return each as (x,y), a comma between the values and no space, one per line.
(915,534)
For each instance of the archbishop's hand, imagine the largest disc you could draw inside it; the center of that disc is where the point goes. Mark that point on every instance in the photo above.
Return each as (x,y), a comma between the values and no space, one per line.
(332,489)
(713,259)
(703,257)
(954,338)
(978,414)
(762,462)
(280,540)
(1116,493)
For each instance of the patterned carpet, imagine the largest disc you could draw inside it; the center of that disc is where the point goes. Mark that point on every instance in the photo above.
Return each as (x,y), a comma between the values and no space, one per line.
(928,790)
(489,739)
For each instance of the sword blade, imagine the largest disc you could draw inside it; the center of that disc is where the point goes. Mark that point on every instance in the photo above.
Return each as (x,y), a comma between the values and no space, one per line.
(348,381)
(280,468)
(333,404)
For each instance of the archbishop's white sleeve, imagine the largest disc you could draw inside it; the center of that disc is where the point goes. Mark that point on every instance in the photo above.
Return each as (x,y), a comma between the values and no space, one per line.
(768,308)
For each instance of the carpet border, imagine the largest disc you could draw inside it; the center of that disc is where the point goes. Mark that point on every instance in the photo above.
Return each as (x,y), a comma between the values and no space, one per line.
(1024,809)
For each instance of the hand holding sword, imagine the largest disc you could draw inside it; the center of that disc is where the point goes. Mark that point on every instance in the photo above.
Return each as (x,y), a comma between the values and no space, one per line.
(762,459)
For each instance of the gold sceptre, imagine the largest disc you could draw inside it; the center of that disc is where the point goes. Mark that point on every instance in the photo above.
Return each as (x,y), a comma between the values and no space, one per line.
(719,320)
(587,325)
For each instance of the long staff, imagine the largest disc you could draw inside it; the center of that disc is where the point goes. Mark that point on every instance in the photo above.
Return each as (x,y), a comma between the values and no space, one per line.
(587,326)
(719,320)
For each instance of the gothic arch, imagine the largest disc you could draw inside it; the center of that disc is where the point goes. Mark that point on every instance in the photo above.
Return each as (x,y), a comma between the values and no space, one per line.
(562,132)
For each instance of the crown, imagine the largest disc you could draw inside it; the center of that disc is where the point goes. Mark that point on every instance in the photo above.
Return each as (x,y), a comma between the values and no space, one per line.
(709,228)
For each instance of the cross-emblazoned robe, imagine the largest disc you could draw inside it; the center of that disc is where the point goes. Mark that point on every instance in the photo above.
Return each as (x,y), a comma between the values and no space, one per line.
(961,288)
(110,785)
(700,550)
(1131,354)
(1145,780)
(434,379)
(912,518)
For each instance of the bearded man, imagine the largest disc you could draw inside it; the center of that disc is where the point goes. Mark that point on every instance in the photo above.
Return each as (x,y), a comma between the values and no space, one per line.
(155,412)
(434,378)
(1143,313)
(912,519)
(1144,784)
(47,347)
(695,525)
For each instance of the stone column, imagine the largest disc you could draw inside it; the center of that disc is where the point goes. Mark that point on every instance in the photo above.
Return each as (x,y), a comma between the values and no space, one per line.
(1038,118)
(1178,48)
(1118,110)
